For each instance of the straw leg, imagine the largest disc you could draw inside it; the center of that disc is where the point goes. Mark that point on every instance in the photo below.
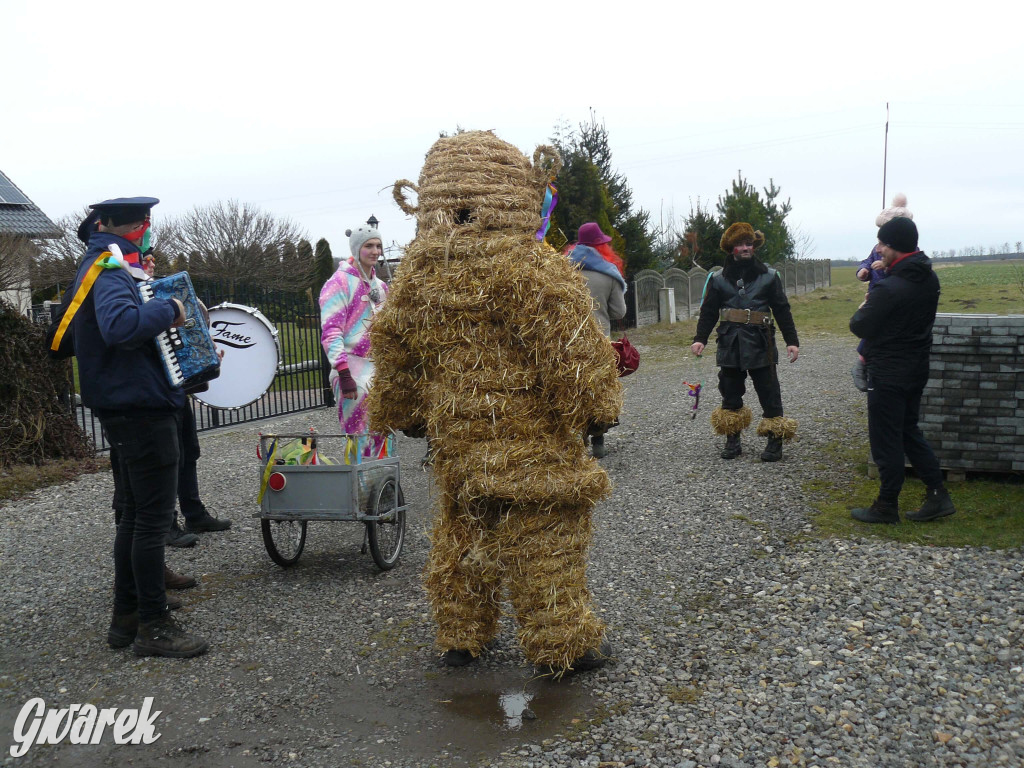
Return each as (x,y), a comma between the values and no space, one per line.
(546,574)
(463,582)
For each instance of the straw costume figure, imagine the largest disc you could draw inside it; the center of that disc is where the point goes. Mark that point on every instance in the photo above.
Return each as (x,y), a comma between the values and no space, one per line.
(488,346)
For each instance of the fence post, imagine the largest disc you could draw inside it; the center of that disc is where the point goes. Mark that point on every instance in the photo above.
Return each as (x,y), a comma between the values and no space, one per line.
(667,304)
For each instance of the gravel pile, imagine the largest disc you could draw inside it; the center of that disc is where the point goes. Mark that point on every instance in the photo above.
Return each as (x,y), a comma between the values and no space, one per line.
(740,640)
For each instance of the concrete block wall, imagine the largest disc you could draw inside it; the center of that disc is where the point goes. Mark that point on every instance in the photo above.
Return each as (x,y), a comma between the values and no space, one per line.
(972,411)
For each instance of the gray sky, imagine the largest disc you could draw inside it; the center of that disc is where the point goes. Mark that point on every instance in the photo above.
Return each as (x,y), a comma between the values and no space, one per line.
(312,110)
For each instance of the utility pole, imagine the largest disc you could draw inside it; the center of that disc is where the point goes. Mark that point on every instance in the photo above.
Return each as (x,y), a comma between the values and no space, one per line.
(885,156)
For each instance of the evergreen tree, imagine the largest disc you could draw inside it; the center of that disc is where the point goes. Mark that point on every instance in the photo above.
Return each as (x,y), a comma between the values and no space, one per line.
(702,237)
(589,189)
(744,203)
(323,265)
(304,255)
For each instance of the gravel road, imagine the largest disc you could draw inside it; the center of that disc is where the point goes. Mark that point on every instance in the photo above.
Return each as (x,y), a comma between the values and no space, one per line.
(740,639)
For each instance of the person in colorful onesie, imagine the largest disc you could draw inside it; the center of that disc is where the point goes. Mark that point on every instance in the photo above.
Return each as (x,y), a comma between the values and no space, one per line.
(349,301)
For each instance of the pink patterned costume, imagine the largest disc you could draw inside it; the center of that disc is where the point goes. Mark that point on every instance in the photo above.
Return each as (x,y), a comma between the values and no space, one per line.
(346,312)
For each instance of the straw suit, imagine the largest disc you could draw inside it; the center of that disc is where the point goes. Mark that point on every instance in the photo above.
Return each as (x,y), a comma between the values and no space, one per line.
(488,346)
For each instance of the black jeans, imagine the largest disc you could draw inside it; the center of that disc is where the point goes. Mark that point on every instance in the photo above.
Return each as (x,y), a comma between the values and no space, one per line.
(145,483)
(893,412)
(188,477)
(766,384)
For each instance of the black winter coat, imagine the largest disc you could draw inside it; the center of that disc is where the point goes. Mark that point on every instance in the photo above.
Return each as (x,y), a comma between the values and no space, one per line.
(896,323)
(740,345)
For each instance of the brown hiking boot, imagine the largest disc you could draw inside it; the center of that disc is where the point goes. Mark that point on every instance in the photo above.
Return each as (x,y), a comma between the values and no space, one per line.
(174,580)
(165,637)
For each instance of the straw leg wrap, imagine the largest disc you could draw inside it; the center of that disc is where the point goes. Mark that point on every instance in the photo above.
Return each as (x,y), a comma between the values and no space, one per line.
(726,422)
(463,581)
(779,426)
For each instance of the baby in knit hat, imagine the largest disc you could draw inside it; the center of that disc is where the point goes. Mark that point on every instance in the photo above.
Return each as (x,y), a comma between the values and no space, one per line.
(871,271)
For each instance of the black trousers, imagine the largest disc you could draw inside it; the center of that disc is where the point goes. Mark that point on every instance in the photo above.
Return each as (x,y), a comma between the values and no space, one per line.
(188,477)
(145,485)
(766,384)
(893,412)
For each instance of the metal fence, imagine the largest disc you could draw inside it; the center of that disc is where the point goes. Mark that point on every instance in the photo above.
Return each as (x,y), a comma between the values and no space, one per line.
(300,382)
(644,307)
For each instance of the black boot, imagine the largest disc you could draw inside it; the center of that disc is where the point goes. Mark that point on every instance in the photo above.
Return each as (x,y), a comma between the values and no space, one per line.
(178,538)
(936,504)
(732,447)
(772,451)
(165,637)
(457,658)
(879,512)
(595,658)
(597,447)
(123,628)
(205,523)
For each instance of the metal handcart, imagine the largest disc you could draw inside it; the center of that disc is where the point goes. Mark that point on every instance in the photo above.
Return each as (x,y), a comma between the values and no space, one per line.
(367,491)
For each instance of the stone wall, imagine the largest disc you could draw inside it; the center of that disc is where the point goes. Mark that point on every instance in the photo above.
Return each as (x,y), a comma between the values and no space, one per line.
(972,411)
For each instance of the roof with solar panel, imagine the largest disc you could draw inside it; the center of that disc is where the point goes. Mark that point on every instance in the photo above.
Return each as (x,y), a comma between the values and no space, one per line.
(19,215)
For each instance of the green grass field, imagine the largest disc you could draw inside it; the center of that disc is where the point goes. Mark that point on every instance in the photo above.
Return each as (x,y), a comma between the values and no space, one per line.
(990,509)
(975,288)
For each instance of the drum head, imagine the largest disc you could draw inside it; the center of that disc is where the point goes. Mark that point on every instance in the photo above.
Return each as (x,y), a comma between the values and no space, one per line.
(251,355)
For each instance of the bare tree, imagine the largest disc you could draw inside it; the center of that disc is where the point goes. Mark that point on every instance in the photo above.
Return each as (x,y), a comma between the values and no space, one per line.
(803,243)
(235,242)
(58,258)
(16,253)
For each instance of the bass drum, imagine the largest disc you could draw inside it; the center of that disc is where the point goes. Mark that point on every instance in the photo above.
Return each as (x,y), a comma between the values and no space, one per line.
(251,355)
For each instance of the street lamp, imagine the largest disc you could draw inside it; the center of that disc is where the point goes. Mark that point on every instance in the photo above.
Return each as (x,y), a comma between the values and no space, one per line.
(372,221)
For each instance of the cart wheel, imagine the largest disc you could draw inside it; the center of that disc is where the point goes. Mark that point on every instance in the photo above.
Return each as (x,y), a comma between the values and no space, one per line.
(284,540)
(387,536)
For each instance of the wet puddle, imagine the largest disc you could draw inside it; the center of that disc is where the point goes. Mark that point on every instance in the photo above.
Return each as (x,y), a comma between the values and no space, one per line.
(458,716)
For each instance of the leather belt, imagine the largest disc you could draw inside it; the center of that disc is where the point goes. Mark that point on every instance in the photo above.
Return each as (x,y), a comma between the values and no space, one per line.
(746,316)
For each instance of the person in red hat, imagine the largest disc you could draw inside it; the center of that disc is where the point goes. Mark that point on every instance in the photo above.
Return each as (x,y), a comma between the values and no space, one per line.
(604,272)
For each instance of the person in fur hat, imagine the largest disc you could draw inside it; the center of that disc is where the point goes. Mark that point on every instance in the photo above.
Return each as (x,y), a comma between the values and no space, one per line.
(746,299)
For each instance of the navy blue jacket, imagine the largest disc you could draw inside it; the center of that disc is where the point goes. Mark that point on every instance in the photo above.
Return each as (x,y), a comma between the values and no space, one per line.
(119,366)
(896,323)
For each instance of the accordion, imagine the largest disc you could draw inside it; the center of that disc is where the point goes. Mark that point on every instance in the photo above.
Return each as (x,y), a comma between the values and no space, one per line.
(187,351)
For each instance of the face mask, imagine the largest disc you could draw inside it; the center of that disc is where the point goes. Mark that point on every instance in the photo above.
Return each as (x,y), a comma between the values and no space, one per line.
(137,234)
